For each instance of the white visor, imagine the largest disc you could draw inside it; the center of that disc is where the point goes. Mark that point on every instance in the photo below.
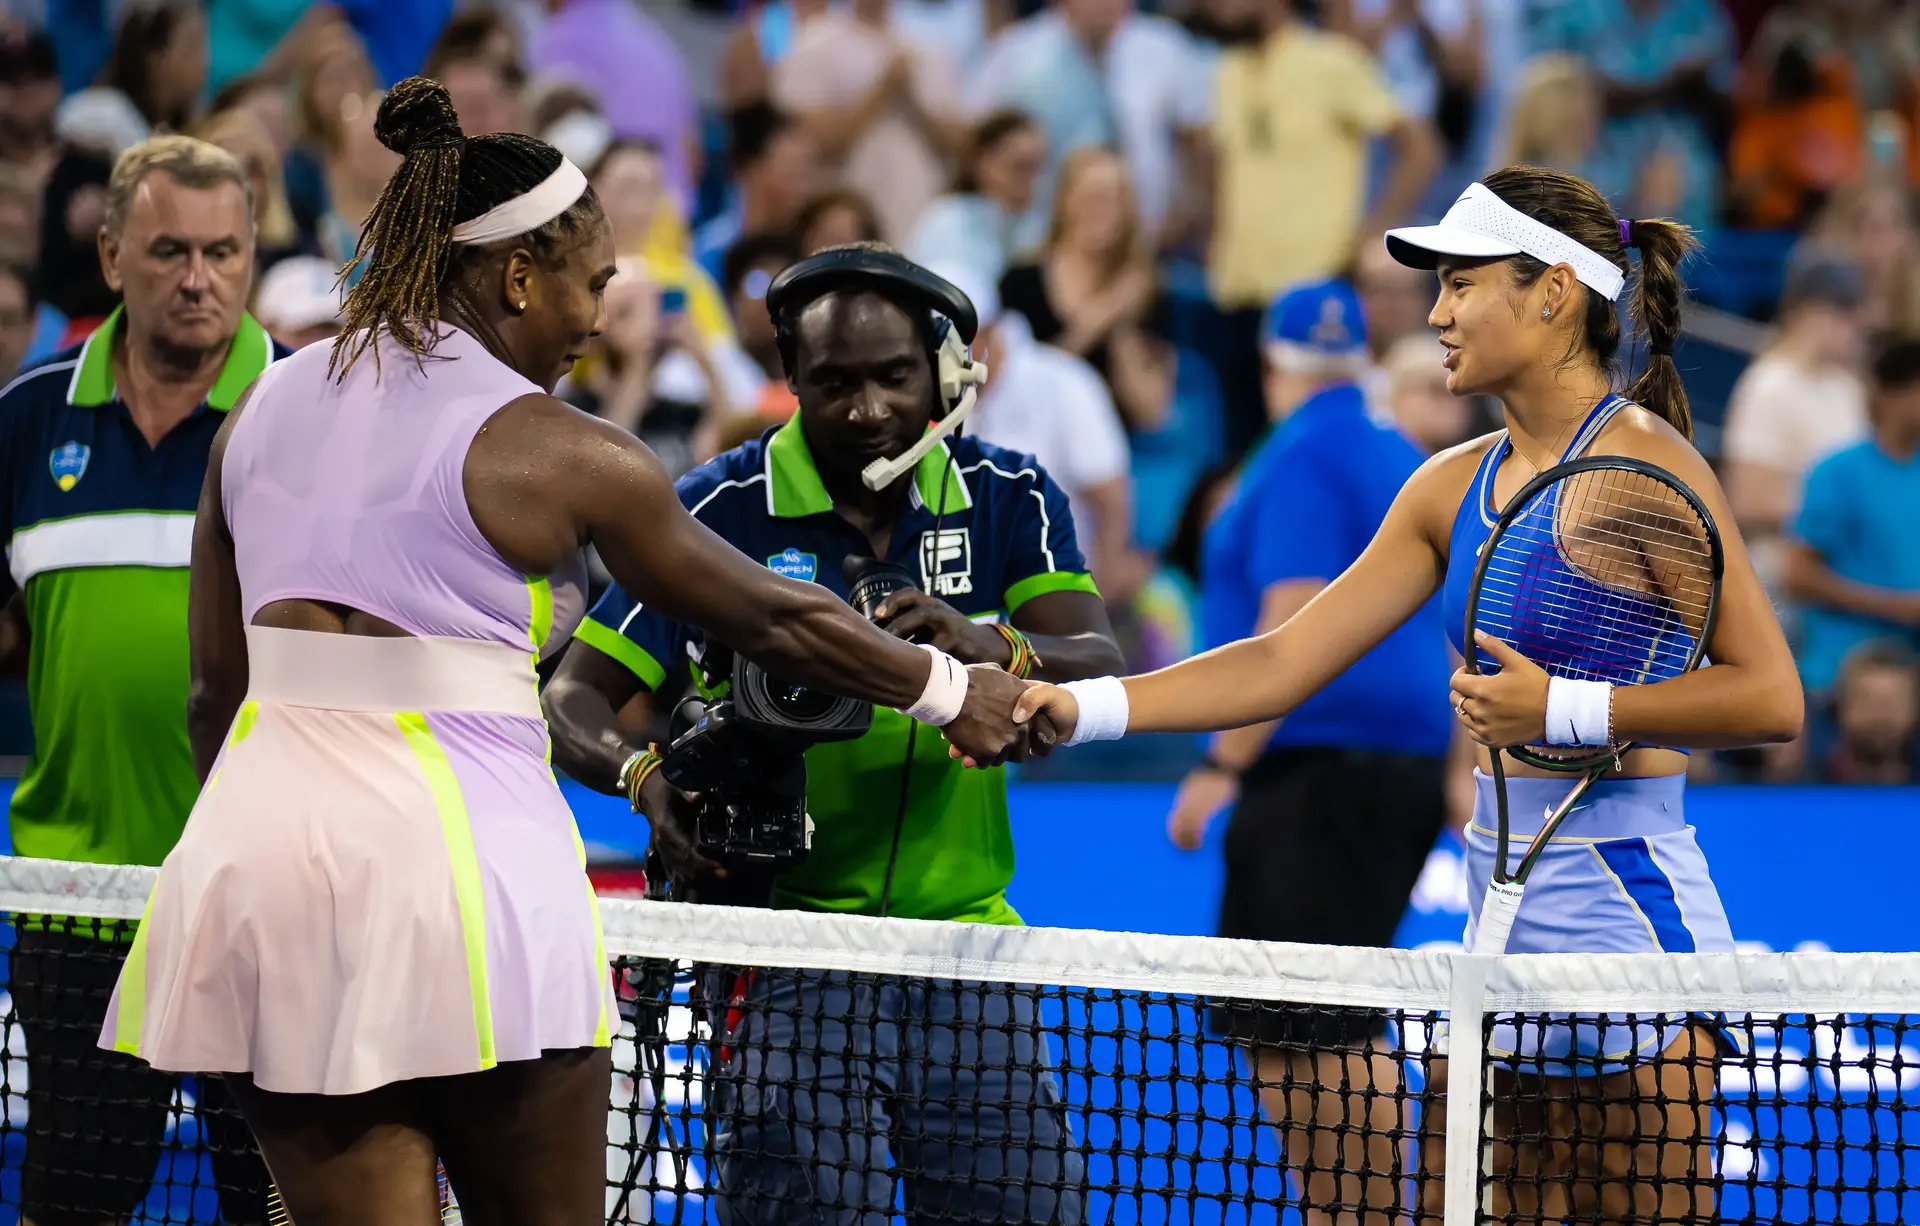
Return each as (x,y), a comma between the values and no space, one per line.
(526,212)
(1481,226)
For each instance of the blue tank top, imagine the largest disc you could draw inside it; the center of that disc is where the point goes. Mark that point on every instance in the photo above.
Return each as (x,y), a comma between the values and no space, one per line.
(1586,635)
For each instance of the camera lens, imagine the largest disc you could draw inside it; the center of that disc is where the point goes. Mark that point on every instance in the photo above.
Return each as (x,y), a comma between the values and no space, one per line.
(870,582)
(797,702)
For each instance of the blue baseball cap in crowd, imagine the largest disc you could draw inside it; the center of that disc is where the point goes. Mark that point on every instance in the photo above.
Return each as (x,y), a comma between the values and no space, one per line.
(1314,325)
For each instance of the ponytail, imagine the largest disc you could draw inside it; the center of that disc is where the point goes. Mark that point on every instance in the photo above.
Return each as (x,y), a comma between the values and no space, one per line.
(408,235)
(1654,310)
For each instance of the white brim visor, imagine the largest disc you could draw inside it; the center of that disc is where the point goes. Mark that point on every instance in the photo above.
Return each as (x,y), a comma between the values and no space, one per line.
(1481,226)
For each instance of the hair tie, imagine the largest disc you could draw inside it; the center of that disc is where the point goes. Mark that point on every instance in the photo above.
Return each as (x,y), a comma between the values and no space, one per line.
(1626,232)
(1660,351)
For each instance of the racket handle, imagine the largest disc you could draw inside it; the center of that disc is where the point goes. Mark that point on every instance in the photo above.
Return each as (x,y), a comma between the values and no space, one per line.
(1497,911)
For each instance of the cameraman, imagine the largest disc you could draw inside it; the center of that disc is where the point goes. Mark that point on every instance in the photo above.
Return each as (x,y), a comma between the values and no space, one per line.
(981,531)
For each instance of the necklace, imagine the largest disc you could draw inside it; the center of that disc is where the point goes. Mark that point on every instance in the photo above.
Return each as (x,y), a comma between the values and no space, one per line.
(1533,470)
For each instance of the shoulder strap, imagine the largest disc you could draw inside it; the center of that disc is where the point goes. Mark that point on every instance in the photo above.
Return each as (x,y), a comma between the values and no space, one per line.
(1590,429)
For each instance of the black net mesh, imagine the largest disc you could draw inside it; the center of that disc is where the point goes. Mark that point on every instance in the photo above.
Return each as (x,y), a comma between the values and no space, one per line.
(776,1096)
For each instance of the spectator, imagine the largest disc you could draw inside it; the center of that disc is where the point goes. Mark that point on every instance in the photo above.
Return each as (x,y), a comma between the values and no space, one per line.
(1876,716)
(1555,120)
(334,68)
(1093,292)
(267,101)
(1800,400)
(1871,45)
(19,215)
(972,226)
(29,99)
(774,164)
(1801,139)
(759,40)
(630,180)
(1397,300)
(1665,67)
(1293,120)
(74,209)
(151,83)
(1429,51)
(616,50)
(1097,72)
(1872,222)
(477,58)
(261,38)
(880,107)
(1218,24)
(651,373)
(751,266)
(357,169)
(834,218)
(1046,403)
(1417,396)
(397,36)
(1856,561)
(17,318)
(241,134)
(298,301)
(568,117)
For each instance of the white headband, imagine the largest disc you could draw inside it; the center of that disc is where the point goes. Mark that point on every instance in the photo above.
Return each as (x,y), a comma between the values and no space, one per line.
(1480,225)
(526,212)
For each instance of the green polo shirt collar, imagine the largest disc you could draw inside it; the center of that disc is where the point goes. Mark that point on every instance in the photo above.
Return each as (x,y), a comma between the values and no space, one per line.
(794,487)
(92,385)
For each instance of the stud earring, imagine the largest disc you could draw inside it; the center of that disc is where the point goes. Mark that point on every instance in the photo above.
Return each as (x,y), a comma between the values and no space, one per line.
(523,306)
(1545,312)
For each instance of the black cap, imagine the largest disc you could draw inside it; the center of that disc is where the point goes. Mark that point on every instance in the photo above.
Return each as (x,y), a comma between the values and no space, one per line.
(27,57)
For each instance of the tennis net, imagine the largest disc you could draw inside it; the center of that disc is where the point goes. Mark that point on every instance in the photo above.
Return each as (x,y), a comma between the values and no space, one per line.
(783,1067)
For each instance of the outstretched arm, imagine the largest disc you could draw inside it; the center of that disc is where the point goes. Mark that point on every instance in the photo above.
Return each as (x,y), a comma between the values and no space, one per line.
(587,481)
(1266,677)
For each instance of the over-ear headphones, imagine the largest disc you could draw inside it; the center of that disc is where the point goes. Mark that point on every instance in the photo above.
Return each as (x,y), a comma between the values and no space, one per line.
(955,322)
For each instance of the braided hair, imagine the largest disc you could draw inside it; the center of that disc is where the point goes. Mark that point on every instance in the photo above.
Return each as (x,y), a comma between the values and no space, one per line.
(445,178)
(1576,208)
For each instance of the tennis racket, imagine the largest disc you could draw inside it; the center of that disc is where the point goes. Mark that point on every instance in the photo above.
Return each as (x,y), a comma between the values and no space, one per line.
(1600,569)
(449,1209)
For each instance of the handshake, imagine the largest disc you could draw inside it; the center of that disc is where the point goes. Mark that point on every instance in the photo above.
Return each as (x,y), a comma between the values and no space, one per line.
(1005,719)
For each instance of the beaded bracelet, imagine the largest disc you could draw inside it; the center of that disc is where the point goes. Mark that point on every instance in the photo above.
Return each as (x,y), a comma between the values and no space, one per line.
(635,771)
(1025,658)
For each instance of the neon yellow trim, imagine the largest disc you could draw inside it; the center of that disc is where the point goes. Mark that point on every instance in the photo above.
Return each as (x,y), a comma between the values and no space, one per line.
(1048,581)
(542,624)
(608,641)
(454,823)
(603,1029)
(133,987)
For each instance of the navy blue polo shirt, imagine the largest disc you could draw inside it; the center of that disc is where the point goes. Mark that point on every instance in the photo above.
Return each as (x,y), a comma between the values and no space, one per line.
(1307,503)
(99,533)
(1006,538)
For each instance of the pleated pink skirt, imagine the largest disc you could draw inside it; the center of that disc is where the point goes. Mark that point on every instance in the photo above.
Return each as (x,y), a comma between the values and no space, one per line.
(380,881)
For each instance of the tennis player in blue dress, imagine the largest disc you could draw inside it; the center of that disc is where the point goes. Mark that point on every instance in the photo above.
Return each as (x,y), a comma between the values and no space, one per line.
(1590,1122)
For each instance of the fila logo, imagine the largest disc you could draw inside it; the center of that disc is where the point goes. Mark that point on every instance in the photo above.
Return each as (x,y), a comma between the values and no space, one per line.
(946,562)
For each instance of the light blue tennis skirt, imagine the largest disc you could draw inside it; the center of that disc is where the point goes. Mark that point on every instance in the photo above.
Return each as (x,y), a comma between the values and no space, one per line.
(1623,875)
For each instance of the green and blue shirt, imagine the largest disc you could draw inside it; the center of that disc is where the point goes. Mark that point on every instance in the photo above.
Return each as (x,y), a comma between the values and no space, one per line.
(99,534)
(1007,537)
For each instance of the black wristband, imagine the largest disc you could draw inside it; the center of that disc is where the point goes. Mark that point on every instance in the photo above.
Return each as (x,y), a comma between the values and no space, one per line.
(1211,763)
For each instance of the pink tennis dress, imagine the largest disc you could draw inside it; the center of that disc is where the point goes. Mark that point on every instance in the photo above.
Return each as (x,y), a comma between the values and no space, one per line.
(381,879)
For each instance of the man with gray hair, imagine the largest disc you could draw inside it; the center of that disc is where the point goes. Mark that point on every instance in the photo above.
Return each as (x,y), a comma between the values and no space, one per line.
(103,451)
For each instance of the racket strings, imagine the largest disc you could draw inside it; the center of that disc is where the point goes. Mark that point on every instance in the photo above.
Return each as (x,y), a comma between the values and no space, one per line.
(1606,574)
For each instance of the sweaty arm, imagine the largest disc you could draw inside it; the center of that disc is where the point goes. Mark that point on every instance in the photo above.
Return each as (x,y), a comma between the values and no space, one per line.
(591,482)
(1265,677)
(216,621)
(1239,748)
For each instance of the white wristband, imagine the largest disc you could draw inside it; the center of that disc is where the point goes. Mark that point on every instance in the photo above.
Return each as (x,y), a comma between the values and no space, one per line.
(1579,712)
(939,704)
(1103,710)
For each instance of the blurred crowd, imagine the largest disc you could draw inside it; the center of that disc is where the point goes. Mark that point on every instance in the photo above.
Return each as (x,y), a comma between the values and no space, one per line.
(1122,192)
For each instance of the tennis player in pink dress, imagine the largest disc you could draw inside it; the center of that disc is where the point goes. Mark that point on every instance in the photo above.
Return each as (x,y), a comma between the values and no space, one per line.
(378,923)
